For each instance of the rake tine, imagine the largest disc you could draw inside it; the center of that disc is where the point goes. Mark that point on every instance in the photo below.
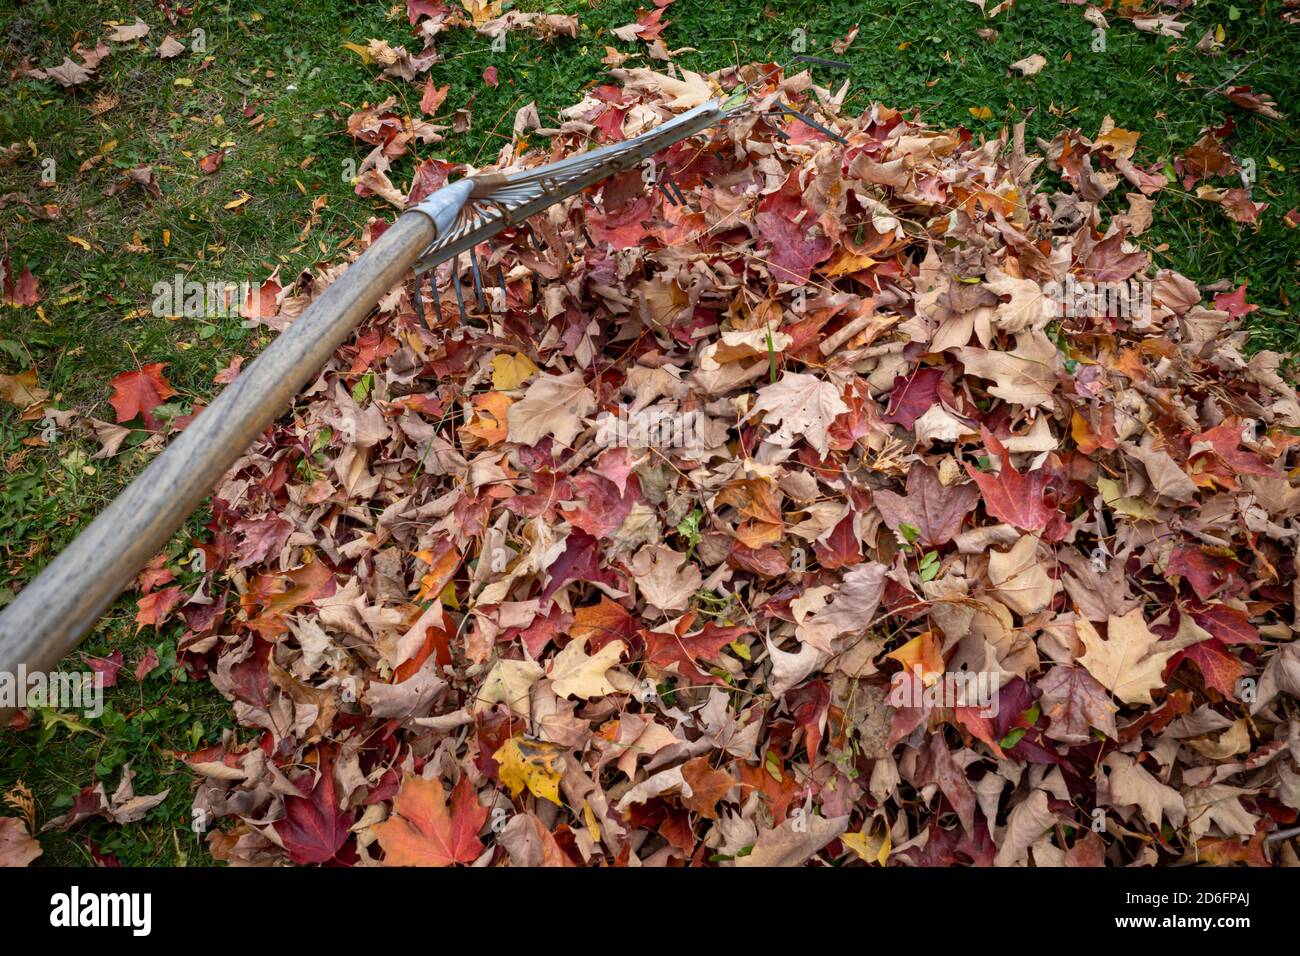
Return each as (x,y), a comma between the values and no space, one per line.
(676,190)
(809,121)
(434,294)
(586,235)
(667,195)
(455,284)
(501,278)
(820,61)
(478,279)
(532,237)
(419,306)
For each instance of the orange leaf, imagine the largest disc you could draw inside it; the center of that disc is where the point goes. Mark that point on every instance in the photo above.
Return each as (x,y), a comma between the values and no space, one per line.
(154,608)
(598,624)
(491,420)
(708,786)
(921,656)
(443,560)
(423,831)
(433,97)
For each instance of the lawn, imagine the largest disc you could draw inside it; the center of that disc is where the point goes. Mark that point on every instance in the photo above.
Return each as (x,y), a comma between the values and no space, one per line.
(271,91)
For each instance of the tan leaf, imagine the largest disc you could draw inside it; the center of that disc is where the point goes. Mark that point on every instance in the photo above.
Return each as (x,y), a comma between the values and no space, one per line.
(684,93)
(125,34)
(575,674)
(509,682)
(794,841)
(1030,64)
(1130,785)
(170,48)
(1020,579)
(664,580)
(1129,661)
(1029,308)
(553,405)
(804,406)
(17,848)
(1024,376)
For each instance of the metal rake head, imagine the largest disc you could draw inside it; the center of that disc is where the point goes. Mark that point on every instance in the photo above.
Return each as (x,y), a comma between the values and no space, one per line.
(496,201)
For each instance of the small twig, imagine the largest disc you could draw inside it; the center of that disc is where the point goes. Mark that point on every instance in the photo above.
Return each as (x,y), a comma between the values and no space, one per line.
(1231,78)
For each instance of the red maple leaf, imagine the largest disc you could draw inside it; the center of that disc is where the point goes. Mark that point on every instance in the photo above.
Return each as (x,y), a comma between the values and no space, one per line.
(26,291)
(146,664)
(1219,666)
(1234,302)
(579,562)
(433,97)
(841,548)
(1228,624)
(106,666)
(140,392)
(677,647)
(793,244)
(1225,441)
(1206,573)
(212,162)
(601,624)
(913,396)
(261,537)
(603,508)
(1030,501)
(652,24)
(154,608)
(314,829)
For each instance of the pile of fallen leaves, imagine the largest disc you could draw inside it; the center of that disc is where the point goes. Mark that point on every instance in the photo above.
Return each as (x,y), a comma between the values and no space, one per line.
(457,623)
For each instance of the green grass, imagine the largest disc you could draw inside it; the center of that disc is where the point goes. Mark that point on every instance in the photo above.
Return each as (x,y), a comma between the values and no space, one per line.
(286,61)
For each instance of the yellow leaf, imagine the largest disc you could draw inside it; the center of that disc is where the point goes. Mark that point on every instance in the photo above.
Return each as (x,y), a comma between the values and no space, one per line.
(849,262)
(873,847)
(182,81)
(1113,496)
(482,10)
(980,112)
(236,203)
(533,764)
(167,237)
(78,241)
(593,825)
(1118,141)
(511,371)
(360,51)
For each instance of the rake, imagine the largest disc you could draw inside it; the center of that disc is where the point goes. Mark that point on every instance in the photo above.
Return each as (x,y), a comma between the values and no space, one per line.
(51,613)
